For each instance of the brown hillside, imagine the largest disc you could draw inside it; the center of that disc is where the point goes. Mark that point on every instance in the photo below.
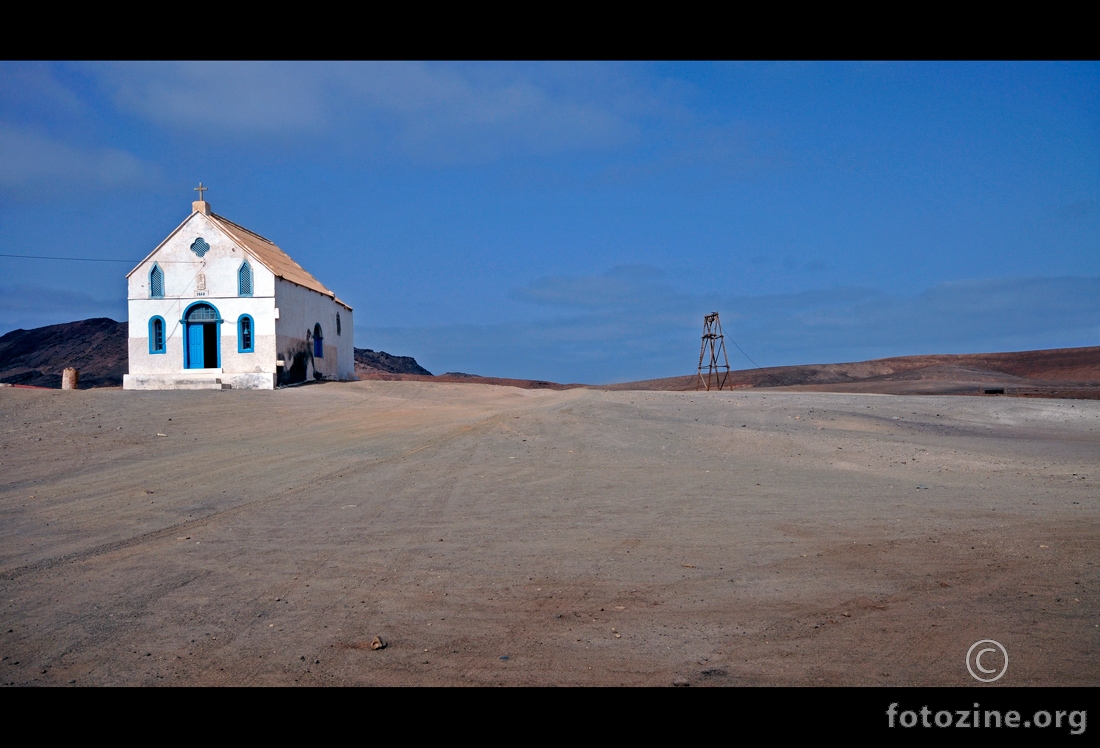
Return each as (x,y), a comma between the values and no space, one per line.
(1060,372)
(459,378)
(96,347)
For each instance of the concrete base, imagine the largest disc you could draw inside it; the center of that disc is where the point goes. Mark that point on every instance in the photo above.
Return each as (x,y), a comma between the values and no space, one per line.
(199,379)
(251,380)
(171,382)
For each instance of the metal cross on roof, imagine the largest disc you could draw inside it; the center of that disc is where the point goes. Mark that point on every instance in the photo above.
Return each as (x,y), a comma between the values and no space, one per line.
(200,189)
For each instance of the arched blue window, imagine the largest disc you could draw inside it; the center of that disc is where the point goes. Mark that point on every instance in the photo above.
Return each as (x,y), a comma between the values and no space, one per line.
(156,282)
(318,342)
(244,279)
(338,323)
(156,335)
(246,338)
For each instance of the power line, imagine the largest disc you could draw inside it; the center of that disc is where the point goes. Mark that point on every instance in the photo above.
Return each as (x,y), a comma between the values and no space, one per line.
(758,366)
(97,259)
(79,259)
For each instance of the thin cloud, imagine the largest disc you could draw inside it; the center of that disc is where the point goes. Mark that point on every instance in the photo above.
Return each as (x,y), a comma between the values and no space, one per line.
(702,156)
(1079,210)
(432,112)
(454,114)
(32,89)
(32,165)
(241,98)
(628,324)
(628,285)
(957,317)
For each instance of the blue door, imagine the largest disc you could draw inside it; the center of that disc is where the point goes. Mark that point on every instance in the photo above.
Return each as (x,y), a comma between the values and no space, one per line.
(203,337)
(195,346)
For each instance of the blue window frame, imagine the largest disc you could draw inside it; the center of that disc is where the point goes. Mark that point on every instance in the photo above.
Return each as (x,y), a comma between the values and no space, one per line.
(246,334)
(318,342)
(244,279)
(156,335)
(156,282)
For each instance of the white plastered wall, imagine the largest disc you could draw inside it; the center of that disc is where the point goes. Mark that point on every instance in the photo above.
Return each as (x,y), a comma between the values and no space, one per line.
(299,310)
(181,268)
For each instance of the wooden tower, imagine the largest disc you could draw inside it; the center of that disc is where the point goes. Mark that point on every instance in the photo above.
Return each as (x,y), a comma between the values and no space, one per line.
(715,340)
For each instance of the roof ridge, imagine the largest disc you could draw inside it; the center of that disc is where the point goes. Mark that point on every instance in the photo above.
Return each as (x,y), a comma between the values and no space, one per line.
(242,228)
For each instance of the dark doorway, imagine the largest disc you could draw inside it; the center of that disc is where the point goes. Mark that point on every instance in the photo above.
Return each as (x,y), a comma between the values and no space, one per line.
(210,345)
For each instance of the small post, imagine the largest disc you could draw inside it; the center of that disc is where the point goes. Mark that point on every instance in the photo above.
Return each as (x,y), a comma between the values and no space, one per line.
(70,378)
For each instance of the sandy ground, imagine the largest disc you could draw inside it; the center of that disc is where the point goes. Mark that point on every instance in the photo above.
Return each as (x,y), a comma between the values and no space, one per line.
(493,535)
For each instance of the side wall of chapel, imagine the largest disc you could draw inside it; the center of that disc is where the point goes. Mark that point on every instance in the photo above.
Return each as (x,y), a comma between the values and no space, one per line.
(300,311)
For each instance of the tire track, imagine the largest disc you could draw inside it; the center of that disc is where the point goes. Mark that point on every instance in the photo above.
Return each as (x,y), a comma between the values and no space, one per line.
(312,481)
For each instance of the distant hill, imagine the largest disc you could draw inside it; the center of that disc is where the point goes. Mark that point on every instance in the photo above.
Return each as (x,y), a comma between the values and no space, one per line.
(1058,372)
(394,373)
(370,360)
(379,365)
(97,347)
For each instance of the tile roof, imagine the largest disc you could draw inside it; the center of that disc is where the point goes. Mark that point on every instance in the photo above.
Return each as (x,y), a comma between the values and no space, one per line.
(272,257)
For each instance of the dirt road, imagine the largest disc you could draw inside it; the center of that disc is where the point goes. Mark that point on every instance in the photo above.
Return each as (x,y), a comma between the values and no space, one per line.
(493,535)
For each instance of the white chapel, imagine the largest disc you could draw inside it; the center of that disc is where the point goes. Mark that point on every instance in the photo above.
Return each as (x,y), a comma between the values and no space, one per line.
(216,306)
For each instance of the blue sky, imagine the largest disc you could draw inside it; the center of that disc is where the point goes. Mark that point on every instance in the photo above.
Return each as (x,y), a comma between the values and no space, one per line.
(575,221)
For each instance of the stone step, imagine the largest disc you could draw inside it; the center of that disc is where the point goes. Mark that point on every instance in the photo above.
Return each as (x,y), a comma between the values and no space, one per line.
(193,385)
(174,382)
